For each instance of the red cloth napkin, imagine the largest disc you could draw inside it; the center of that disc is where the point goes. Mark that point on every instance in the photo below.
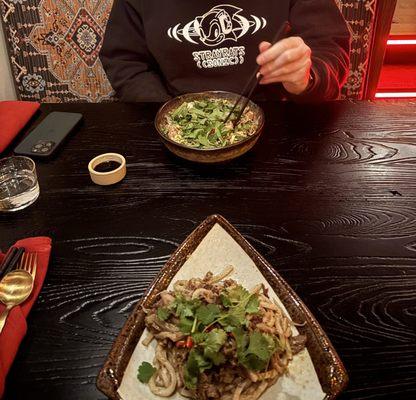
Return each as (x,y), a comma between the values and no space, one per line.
(14,115)
(15,328)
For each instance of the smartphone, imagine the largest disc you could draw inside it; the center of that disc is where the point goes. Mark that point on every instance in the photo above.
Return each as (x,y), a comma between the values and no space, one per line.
(46,138)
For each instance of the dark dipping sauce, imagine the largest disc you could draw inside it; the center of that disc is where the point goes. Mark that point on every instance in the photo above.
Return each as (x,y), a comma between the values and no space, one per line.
(107,166)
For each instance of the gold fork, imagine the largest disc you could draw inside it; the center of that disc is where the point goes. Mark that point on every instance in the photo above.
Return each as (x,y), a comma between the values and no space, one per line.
(29,263)
(17,285)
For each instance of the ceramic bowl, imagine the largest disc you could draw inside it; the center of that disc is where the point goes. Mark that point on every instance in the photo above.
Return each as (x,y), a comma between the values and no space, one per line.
(207,156)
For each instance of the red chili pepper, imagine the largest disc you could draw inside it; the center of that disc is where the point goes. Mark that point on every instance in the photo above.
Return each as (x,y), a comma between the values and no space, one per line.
(180,344)
(189,342)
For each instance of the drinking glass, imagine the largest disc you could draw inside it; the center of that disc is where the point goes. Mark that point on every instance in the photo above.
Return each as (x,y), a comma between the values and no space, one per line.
(19,186)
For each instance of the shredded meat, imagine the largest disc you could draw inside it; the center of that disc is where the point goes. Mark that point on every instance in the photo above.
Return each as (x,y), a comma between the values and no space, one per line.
(155,325)
(297,343)
(207,390)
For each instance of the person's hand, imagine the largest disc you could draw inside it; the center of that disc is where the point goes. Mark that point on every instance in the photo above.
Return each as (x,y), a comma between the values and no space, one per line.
(288,61)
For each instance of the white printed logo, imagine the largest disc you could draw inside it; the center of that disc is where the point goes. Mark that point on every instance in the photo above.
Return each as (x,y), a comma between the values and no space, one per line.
(223,57)
(221,23)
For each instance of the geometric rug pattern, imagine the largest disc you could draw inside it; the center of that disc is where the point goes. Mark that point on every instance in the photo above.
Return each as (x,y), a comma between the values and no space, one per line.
(53,47)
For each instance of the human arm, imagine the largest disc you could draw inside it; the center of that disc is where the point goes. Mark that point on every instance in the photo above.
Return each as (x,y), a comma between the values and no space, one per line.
(319,45)
(130,67)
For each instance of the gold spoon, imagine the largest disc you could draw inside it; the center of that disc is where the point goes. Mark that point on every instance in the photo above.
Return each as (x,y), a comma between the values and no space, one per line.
(15,288)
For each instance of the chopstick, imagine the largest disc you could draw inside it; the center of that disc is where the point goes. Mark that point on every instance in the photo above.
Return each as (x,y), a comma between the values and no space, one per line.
(281,33)
(9,255)
(10,261)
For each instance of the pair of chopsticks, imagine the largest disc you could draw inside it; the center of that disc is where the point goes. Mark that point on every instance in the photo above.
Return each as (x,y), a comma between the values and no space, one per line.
(10,260)
(257,77)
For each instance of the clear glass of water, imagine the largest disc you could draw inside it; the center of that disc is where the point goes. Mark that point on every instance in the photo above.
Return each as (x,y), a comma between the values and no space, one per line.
(19,186)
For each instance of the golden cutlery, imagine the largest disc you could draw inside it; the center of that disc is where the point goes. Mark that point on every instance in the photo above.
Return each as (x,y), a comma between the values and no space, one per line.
(17,285)
(28,263)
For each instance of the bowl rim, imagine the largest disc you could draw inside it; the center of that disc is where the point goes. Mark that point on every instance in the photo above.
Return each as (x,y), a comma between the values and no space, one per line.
(258,131)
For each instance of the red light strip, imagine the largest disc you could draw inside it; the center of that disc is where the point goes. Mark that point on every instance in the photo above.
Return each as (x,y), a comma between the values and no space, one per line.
(396,42)
(395,95)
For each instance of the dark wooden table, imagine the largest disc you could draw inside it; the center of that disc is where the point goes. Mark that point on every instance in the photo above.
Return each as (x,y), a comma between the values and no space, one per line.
(328,196)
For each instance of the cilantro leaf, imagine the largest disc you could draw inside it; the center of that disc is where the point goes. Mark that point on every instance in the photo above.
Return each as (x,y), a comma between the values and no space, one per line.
(199,337)
(185,325)
(253,305)
(262,345)
(208,314)
(163,313)
(239,302)
(216,358)
(185,308)
(253,362)
(241,339)
(235,317)
(204,141)
(259,352)
(237,294)
(212,345)
(225,300)
(204,357)
(145,372)
(229,328)
(195,364)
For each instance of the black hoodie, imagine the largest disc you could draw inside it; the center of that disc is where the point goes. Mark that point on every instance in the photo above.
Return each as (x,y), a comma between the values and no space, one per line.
(156,49)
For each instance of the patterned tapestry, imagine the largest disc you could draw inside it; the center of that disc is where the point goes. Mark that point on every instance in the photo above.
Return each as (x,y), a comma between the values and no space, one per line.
(360,17)
(54,45)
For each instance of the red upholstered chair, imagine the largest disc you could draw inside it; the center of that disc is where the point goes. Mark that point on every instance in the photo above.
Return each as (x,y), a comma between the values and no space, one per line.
(53,47)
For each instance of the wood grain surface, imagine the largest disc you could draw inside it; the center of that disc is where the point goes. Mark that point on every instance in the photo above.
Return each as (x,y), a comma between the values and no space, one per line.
(328,196)
(404,20)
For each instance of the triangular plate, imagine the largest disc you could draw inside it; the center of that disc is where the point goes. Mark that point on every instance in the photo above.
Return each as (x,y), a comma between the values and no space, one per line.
(315,374)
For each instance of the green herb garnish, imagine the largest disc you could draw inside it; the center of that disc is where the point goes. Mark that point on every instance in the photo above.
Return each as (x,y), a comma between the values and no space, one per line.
(260,349)
(238,302)
(212,345)
(163,313)
(200,124)
(195,365)
(184,307)
(185,310)
(208,314)
(145,372)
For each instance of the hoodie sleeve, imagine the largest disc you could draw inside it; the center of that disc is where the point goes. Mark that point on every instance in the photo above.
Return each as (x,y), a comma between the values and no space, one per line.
(322,27)
(128,63)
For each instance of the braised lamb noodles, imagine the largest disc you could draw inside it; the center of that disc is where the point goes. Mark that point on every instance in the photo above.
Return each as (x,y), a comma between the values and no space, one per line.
(217,340)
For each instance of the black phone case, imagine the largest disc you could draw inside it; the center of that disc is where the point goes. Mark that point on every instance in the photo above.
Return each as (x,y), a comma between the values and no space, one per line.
(45,139)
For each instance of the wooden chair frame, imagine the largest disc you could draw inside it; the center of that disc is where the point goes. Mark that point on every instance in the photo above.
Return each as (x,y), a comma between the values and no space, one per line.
(381,30)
